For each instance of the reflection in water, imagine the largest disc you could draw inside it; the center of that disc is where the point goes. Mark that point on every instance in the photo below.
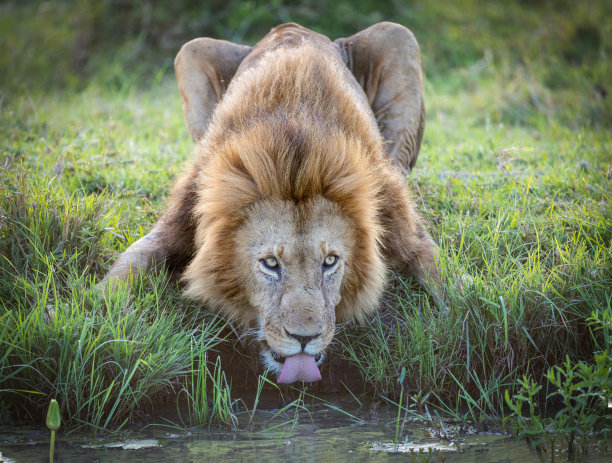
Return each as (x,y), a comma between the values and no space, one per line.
(324,434)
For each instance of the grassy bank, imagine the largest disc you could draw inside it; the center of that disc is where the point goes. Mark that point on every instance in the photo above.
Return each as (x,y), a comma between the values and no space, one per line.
(513,179)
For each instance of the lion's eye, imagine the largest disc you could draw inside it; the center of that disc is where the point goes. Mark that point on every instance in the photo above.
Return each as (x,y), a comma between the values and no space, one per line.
(270,263)
(330,261)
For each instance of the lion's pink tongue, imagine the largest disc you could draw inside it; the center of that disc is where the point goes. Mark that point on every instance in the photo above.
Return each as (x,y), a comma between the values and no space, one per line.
(299,367)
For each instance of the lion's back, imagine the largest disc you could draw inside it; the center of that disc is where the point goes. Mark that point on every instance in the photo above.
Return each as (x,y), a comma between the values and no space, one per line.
(305,84)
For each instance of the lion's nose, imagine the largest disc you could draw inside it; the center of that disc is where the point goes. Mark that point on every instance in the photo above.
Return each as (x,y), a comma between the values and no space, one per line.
(303,340)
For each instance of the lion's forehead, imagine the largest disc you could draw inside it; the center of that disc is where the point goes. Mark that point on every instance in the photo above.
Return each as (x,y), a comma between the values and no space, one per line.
(295,231)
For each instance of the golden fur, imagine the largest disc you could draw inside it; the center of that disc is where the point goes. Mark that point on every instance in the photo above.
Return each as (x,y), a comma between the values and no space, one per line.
(281,133)
(292,212)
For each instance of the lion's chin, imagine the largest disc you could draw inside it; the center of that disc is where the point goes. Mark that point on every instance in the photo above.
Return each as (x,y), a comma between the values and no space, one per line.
(299,367)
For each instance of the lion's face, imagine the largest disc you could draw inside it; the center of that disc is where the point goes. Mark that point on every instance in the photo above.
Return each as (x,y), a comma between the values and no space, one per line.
(293,258)
(288,230)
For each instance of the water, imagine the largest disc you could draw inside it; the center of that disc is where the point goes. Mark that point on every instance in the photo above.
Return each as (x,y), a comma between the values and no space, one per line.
(321,434)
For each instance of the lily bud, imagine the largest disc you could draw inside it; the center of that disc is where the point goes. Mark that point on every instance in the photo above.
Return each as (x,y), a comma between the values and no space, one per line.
(53,416)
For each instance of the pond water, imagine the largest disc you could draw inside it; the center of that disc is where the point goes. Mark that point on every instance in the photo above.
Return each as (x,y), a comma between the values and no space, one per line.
(325,432)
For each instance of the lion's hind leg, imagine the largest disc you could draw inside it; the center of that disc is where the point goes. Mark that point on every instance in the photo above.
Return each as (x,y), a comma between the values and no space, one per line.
(386,62)
(204,68)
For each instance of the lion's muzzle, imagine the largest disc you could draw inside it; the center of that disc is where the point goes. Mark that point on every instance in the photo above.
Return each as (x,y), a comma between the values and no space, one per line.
(298,336)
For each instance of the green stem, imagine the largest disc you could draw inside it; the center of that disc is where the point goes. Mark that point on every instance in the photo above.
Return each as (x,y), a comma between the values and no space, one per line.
(52,447)
(399,411)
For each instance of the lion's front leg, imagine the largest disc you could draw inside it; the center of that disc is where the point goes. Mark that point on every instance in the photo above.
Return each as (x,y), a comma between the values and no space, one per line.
(407,246)
(419,259)
(170,242)
(386,62)
(140,256)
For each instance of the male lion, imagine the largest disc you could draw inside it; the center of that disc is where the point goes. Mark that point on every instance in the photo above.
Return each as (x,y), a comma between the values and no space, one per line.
(295,205)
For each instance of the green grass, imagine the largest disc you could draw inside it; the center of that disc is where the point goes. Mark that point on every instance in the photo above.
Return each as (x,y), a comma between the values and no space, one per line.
(513,180)
(206,379)
(103,355)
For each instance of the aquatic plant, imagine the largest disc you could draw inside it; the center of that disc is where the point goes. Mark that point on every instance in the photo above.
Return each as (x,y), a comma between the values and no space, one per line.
(399,408)
(584,391)
(54,421)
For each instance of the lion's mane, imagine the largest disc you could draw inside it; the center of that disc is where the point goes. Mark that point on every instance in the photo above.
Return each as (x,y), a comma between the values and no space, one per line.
(289,128)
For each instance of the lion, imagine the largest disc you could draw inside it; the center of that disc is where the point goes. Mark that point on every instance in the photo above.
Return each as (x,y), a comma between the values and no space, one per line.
(295,206)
